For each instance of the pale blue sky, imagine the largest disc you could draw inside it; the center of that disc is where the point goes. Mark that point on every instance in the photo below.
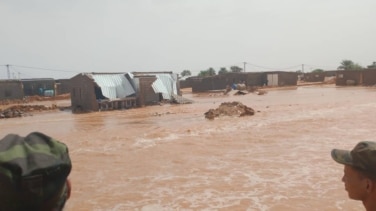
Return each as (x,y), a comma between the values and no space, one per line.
(174,35)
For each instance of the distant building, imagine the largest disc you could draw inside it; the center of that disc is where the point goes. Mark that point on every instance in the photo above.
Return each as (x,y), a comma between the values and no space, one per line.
(11,90)
(186,82)
(318,77)
(219,82)
(281,78)
(39,86)
(366,77)
(63,86)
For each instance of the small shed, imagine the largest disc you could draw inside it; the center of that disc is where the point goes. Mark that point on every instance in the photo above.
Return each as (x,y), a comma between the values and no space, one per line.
(11,90)
(281,78)
(39,86)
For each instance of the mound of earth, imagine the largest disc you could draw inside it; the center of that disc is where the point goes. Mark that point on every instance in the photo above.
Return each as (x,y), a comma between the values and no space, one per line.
(23,110)
(230,109)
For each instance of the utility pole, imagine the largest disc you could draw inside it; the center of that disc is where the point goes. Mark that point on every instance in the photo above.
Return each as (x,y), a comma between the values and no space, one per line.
(8,71)
(302,68)
(244,65)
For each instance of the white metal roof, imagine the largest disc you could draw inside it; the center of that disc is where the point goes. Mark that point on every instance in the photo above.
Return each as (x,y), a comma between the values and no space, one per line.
(114,85)
(165,84)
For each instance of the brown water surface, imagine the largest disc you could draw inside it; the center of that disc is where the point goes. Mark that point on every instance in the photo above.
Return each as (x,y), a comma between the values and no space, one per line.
(171,158)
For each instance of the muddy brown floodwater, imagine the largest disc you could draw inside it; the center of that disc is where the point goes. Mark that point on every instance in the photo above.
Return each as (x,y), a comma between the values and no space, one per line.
(171,157)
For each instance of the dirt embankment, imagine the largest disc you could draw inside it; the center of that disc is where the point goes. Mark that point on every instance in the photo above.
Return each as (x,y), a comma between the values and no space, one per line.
(28,105)
(24,110)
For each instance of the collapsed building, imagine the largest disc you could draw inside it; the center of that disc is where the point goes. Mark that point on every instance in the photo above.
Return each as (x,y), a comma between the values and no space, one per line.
(109,91)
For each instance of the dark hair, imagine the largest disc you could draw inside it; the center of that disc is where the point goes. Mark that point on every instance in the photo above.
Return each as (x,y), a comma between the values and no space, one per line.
(365,173)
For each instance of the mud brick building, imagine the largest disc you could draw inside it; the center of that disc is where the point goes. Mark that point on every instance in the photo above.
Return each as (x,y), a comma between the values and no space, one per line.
(318,77)
(38,86)
(218,82)
(366,77)
(11,90)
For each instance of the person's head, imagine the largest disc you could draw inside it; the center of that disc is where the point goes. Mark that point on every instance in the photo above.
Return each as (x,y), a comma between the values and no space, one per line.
(33,173)
(359,169)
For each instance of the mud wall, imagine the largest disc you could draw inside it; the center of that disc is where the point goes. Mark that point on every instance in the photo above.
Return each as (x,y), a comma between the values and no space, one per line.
(185,84)
(10,90)
(63,86)
(287,78)
(359,77)
(369,77)
(33,87)
(219,82)
(314,77)
(146,94)
(83,97)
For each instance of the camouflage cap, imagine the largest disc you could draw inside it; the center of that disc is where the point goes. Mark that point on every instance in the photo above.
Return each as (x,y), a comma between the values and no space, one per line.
(362,157)
(33,169)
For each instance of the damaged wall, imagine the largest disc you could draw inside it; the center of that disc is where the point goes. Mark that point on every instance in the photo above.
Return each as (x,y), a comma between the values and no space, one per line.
(145,92)
(83,97)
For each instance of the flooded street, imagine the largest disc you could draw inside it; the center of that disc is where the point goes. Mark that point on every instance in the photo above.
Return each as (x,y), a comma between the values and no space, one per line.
(170,157)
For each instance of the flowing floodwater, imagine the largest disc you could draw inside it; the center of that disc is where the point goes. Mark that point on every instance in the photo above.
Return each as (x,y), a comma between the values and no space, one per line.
(170,157)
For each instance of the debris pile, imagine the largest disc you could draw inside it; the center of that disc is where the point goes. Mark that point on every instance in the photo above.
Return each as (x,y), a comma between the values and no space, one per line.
(241,89)
(230,109)
(261,92)
(23,110)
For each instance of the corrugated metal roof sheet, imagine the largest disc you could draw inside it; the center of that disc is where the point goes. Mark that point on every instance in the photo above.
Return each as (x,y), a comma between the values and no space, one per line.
(166,85)
(114,85)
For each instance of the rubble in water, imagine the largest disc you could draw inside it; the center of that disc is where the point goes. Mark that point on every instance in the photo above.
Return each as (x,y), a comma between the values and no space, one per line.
(23,110)
(230,109)
(11,108)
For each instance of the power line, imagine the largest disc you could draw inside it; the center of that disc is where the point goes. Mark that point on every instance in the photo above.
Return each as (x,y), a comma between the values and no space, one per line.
(228,67)
(271,68)
(19,73)
(10,68)
(48,69)
(317,66)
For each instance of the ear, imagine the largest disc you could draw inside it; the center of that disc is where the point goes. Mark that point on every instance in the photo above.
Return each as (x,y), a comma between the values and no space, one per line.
(69,188)
(370,185)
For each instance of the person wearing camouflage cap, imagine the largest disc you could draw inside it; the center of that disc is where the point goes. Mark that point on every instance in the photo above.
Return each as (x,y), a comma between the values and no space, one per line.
(359,172)
(33,173)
